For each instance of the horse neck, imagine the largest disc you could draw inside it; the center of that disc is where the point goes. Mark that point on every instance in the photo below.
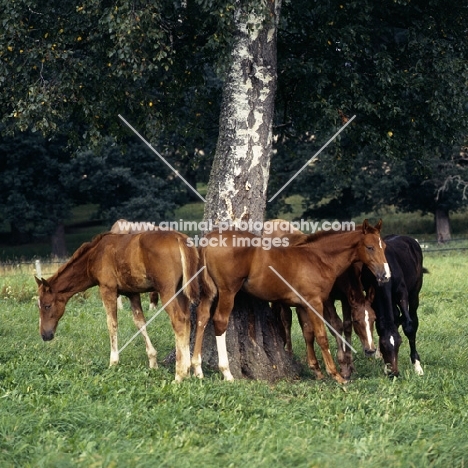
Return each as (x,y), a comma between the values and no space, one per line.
(340,250)
(72,278)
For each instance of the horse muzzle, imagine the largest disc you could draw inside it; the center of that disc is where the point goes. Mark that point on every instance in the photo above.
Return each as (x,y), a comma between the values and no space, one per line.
(382,274)
(47,335)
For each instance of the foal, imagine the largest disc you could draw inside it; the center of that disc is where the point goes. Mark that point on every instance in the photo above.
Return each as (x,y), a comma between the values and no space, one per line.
(128,264)
(356,307)
(122,226)
(300,276)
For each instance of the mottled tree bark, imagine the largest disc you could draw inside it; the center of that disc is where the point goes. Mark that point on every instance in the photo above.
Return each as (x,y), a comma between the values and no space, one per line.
(238,185)
(239,175)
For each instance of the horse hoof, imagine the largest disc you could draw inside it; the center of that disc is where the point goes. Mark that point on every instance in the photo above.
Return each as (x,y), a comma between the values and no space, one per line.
(417,368)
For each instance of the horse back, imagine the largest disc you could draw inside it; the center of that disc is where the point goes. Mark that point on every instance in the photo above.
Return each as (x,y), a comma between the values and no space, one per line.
(405,258)
(145,261)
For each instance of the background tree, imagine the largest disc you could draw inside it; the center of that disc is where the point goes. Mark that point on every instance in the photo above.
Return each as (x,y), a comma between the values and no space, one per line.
(72,69)
(125,181)
(401,68)
(32,198)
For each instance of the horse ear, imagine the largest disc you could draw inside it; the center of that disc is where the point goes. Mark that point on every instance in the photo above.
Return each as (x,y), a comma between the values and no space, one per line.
(378,226)
(351,297)
(38,281)
(370,294)
(365,226)
(46,285)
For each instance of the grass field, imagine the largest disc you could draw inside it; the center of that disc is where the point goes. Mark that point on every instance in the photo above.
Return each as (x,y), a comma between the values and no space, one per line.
(61,406)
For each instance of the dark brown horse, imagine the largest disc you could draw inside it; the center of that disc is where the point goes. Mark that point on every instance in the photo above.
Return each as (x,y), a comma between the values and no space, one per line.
(396,302)
(300,276)
(128,264)
(356,307)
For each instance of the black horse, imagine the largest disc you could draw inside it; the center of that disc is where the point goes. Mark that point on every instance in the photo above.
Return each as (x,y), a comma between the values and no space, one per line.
(396,302)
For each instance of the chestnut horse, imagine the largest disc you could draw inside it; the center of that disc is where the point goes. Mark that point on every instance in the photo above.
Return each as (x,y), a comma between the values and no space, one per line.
(300,276)
(356,307)
(128,264)
(122,226)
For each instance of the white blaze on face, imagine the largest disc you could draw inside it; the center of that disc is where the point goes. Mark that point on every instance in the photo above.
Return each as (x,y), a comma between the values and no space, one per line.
(387,270)
(380,242)
(392,341)
(368,330)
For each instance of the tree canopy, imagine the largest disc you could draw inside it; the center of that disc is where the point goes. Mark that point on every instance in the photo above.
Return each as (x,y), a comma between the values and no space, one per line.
(399,66)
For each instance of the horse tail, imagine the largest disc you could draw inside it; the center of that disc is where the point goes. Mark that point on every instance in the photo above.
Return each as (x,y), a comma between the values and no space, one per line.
(208,287)
(189,260)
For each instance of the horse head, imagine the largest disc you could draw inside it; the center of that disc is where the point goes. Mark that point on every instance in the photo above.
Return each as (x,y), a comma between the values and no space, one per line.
(363,318)
(389,344)
(51,309)
(372,251)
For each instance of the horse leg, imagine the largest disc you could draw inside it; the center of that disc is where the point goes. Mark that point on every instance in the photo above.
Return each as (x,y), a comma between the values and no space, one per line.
(415,359)
(220,322)
(338,328)
(179,313)
(109,300)
(285,314)
(347,331)
(316,318)
(308,334)
(203,316)
(140,323)
(154,298)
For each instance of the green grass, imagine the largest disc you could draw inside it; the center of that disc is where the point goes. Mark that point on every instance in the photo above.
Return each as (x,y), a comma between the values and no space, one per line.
(61,406)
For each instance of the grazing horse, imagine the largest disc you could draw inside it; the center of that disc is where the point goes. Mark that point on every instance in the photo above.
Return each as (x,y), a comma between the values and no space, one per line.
(396,302)
(122,226)
(348,289)
(128,264)
(301,276)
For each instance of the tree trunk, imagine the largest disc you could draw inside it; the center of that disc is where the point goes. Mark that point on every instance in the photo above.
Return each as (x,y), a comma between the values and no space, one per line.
(254,341)
(239,175)
(238,184)
(442,221)
(59,249)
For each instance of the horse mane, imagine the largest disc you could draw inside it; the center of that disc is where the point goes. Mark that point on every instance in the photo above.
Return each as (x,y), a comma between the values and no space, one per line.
(80,251)
(309,238)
